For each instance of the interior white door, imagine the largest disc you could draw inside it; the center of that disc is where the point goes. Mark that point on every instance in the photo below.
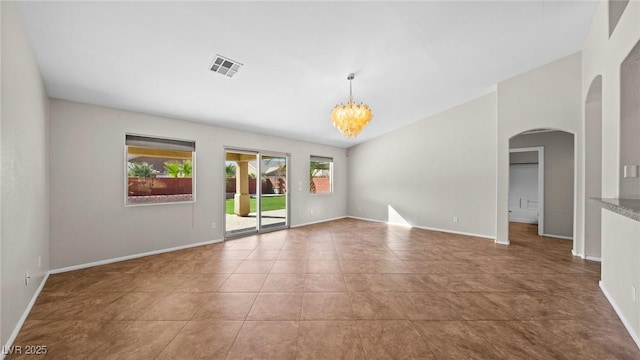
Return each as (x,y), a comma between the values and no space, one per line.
(523,193)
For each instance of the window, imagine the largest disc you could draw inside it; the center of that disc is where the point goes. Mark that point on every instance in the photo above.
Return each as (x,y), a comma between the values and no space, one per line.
(159,170)
(320,175)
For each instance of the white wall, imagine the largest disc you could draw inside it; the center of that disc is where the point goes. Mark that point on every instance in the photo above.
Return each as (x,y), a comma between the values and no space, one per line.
(621,268)
(24,171)
(558,178)
(89,221)
(593,170)
(430,171)
(603,55)
(546,97)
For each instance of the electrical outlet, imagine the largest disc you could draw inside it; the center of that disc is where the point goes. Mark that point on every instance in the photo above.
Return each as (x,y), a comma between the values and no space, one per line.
(630,171)
(213,225)
(633,293)
(39,262)
(455,219)
(27,277)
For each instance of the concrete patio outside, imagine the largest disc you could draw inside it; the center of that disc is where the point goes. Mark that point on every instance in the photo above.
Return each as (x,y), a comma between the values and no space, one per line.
(269,218)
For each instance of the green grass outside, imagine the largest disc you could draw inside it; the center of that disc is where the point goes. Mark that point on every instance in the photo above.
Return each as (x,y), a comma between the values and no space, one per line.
(268,203)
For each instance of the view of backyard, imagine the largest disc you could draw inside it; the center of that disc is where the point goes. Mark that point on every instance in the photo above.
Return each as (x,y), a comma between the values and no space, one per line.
(268,203)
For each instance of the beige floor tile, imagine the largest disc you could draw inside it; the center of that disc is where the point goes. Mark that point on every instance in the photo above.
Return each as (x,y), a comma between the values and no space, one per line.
(295,254)
(255,267)
(243,283)
(427,306)
(384,282)
(157,283)
(518,339)
(276,306)
(326,306)
(284,283)
(175,306)
(225,255)
(323,267)
(225,306)
(376,306)
(358,266)
(139,340)
(476,306)
(324,282)
(266,340)
(127,307)
(82,340)
(289,266)
(392,339)
(216,266)
(261,253)
(42,333)
(329,340)
(71,305)
(201,282)
(351,289)
(455,340)
(202,340)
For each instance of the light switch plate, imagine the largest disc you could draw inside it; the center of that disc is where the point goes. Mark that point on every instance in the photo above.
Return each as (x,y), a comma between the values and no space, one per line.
(631,171)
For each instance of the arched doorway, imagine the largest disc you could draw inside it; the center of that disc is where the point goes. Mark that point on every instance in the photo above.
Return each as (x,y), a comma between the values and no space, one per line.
(556,162)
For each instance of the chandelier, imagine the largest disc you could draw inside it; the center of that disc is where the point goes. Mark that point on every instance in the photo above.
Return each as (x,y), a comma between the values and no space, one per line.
(350,119)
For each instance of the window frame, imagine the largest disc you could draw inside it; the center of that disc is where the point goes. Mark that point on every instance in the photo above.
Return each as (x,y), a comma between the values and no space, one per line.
(330,160)
(159,140)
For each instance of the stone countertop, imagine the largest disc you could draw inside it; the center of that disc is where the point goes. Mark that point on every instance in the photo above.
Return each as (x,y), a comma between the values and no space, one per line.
(625,207)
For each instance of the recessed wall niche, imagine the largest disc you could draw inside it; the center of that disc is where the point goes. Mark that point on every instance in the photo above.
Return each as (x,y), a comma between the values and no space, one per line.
(630,124)
(616,8)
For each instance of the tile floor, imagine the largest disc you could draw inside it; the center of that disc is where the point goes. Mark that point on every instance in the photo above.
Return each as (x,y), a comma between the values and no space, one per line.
(344,289)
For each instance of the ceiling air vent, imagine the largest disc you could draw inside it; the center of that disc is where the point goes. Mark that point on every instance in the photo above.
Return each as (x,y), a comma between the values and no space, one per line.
(225,66)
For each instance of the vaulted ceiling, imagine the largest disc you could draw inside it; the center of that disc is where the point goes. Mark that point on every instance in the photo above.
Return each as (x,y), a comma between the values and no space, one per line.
(411,59)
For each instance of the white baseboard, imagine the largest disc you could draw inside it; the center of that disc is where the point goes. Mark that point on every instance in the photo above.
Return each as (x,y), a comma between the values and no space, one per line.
(23,318)
(576,254)
(134,256)
(593,258)
(624,320)
(457,232)
(429,228)
(366,219)
(558,237)
(318,222)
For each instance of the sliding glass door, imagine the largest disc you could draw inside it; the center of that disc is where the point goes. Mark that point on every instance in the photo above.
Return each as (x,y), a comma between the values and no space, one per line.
(240,168)
(273,198)
(256,196)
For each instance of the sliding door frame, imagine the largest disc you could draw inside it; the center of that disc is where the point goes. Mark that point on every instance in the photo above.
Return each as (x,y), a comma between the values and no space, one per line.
(259,228)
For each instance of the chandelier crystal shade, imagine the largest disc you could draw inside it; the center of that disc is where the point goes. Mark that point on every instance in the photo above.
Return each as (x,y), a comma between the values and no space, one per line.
(351,118)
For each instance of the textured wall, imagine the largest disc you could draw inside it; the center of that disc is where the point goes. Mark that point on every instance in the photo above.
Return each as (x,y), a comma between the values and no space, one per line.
(603,55)
(431,171)
(547,97)
(25,172)
(89,221)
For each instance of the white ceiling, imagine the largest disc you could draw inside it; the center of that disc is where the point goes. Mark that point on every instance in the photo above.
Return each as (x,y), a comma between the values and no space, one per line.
(411,59)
